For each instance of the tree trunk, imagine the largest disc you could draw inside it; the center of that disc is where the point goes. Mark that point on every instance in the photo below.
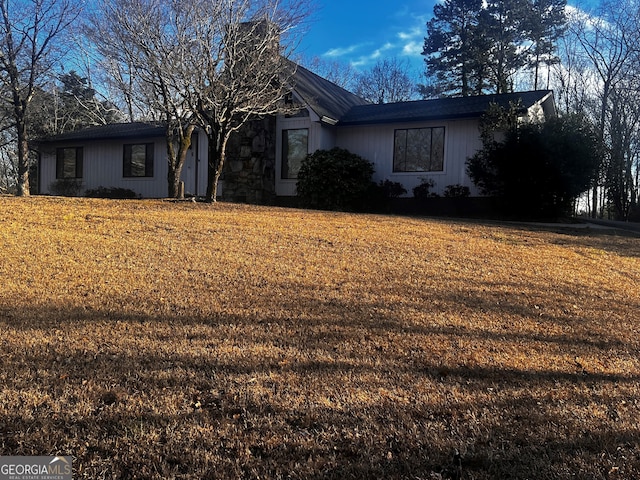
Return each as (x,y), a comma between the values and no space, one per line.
(212,163)
(176,160)
(23,159)
(217,154)
(173,181)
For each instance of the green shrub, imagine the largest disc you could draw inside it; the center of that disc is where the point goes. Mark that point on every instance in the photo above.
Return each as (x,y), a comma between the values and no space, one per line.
(539,169)
(335,179)
(424,189)
(111,192)
(457,191)
(392,189)
(66,187)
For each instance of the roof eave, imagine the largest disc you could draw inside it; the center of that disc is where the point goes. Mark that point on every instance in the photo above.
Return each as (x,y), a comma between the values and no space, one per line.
(428,118)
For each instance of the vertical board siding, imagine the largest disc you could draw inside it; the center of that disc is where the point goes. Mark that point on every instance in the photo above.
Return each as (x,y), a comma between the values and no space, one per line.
(103,159)
(103,167)
(375,144)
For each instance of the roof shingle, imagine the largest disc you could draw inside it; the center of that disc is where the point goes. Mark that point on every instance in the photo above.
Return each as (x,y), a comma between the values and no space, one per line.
(111,131)
(444,108)
(325,98)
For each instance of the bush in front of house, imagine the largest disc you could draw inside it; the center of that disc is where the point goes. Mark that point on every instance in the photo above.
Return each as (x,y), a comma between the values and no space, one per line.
(392,189)
(457,191)
(66,187)
(539,169)
(336,179)
(111,192)
(423,190)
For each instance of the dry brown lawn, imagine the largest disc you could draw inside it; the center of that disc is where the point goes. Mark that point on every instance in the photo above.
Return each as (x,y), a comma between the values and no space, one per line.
(152,339)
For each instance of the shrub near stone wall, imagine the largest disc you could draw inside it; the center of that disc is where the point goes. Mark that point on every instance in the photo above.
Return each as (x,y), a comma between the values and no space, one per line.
(336,179)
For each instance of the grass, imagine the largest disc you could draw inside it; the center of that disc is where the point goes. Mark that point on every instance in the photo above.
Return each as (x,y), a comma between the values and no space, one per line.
(151,339)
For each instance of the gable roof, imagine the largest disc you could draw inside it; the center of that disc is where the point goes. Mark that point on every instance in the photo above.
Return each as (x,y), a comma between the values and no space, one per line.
(438,109)
(336,106)
(111,131)
(329,101)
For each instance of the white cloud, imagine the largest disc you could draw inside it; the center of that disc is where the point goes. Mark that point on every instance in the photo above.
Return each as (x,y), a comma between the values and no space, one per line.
(342,51)
(404,36)
(418,31)
(412,48)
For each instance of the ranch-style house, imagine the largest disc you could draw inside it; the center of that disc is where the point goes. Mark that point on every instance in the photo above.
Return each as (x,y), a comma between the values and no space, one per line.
(407,142)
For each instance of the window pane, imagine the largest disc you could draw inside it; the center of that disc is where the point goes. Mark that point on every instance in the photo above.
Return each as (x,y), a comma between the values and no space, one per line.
(138,160)
(418,150)
(437,150)
(69,163)
(400,151)
(295,147)
(69,168)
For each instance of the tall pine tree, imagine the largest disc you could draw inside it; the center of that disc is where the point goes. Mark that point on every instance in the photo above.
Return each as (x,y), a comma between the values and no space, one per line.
(546,23)
(504,22)
(454,49)
(475,46)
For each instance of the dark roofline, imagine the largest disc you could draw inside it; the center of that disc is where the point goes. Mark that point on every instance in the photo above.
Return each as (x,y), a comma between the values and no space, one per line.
(113,131)
(326,99)
(438,109)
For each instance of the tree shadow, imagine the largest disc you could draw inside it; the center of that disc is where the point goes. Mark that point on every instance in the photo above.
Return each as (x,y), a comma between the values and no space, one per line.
(235,396)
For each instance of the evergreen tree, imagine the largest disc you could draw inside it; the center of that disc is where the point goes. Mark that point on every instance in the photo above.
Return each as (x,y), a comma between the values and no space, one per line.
(475,46)
(546,23)
(454,49)
(504,24)
(67,105)
(554,166)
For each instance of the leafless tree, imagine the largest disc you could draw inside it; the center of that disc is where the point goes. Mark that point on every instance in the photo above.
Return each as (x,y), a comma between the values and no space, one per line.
(214,66)
(340,73)
(241,50)
(30,49)
(142,44)
(610,42)
(388,81)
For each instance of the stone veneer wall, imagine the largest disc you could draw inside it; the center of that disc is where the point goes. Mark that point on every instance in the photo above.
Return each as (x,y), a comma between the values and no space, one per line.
(250,170)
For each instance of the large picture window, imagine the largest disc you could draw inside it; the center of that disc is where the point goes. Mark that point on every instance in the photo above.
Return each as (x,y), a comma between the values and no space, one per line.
(69,162)
(138,160)
(295,147)
(419,150)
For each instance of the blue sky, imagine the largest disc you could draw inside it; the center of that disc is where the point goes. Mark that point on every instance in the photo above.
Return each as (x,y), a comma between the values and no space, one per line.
(360,32)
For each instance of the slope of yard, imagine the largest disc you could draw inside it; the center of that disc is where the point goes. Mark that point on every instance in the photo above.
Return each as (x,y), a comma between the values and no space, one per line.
(151,339)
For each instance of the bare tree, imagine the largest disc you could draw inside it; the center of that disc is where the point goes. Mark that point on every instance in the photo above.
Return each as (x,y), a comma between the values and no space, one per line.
(142,42)
(572,79)
(241,48)
(214,66)
(340,73)
(610,41)
(30,36)
(388,81)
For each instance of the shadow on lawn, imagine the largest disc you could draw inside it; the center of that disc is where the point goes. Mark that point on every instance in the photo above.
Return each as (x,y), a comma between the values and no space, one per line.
(234,417)
(621,242)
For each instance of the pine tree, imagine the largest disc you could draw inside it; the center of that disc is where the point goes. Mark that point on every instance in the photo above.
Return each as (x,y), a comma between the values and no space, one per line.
(475,46)
(453,49)
(503,22)
(546,23)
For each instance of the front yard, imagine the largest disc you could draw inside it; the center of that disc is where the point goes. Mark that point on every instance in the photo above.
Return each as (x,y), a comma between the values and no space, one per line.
(153,339)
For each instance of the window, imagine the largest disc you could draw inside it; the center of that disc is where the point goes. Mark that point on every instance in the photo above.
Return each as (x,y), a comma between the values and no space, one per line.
(419,150)
(138,160)
(69,162)
(295,146)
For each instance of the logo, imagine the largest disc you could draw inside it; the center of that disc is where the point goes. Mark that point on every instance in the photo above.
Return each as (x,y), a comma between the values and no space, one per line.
(36,468)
